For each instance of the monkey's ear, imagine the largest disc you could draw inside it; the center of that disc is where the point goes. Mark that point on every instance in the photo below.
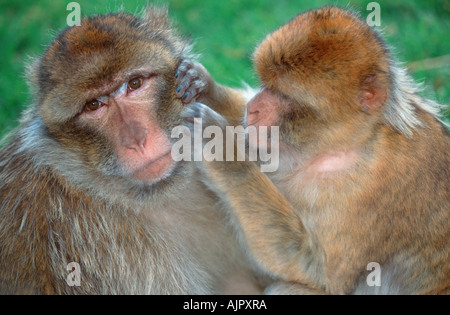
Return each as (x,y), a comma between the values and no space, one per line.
(372,93)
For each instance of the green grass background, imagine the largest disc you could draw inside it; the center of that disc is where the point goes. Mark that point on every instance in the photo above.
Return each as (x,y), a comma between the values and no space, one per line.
(225,33)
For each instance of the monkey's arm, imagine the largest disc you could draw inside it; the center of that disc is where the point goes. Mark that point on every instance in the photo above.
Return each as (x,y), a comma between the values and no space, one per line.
(262,216)
(194,83)
(228,102)
(274,234)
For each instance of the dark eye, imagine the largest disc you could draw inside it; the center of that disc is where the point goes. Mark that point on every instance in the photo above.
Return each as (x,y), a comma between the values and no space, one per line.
(134,84)
(92,105)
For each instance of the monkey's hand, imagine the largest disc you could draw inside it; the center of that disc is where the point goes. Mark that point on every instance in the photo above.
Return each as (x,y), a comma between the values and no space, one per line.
(198,117)
(260,213)
(208,116)
(193,81)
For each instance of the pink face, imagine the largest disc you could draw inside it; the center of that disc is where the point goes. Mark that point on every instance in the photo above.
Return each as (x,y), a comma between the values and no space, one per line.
(264,110)
(127,117)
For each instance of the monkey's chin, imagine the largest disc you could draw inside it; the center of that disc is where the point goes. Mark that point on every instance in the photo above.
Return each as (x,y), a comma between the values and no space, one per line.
(259,141)
(155,170)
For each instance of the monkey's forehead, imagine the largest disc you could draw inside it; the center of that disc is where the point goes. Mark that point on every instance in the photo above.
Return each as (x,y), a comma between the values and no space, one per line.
(323,44)
(114,30)
(101,49)
(103,45)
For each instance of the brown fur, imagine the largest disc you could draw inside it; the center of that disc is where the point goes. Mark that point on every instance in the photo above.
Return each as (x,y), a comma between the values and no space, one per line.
(364,166)
(64,197)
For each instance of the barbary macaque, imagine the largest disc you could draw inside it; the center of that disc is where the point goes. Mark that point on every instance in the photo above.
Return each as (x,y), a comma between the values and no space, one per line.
(363,177)
(91,201)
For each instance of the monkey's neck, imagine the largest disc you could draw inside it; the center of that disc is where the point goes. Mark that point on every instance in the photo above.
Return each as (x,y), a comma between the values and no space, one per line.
(332,163)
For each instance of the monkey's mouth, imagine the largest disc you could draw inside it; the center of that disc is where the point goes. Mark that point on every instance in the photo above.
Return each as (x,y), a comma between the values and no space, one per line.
(261,138)
(155,169)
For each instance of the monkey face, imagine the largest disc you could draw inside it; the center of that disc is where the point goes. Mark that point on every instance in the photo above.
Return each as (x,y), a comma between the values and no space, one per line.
(270,108)
(106,93)
(325,77)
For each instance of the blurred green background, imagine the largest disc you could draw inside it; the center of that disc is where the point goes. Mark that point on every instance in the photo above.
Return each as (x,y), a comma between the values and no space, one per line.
(225,33)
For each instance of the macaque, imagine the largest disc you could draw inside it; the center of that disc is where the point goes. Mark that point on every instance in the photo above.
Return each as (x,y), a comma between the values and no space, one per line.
(363,177)
(91,201)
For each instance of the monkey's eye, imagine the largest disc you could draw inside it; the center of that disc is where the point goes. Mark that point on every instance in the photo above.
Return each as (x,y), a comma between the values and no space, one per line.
(134,84)
(93,105)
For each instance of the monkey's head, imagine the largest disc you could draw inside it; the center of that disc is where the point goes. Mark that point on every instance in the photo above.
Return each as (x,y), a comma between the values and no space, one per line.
(325,78)
(105,92)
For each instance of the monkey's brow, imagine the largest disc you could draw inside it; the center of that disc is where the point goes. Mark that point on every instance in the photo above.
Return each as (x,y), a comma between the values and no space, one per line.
(119,82)
(144,72)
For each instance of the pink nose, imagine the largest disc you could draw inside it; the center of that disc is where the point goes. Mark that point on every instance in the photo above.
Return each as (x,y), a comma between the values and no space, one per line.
(134,136)
(253,111)
(263,109)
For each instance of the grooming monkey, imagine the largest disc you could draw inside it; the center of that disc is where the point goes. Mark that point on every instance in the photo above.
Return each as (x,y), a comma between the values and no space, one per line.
(88,176)
(364,165)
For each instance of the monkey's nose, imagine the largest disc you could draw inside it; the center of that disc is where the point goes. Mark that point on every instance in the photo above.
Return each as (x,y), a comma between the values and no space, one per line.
(252,116)
(253,112)
(133,137)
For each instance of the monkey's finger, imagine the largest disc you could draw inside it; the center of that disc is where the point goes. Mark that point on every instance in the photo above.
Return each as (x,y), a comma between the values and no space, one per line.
(208,115)
(191,112)
(194,91)
(186,82)
(184,66)
(194,110)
